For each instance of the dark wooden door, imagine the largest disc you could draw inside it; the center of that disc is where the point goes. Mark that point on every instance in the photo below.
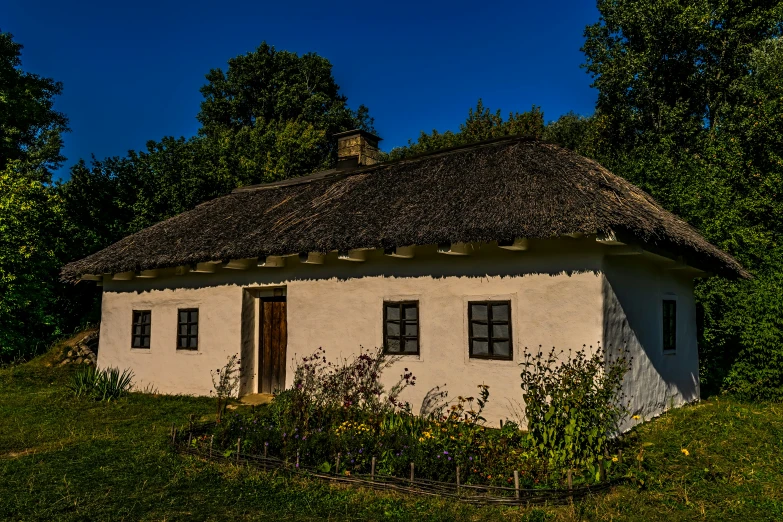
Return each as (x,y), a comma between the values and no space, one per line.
(273,339)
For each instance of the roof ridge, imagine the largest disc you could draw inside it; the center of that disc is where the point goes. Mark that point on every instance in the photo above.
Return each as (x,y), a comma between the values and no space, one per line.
(334,174)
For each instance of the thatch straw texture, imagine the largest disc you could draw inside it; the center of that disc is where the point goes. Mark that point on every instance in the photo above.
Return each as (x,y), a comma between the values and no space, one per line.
(497,190)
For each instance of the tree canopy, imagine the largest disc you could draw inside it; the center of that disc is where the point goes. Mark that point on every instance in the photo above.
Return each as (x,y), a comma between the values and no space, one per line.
(481,124)
(272,115)
(690,108)
(30,210)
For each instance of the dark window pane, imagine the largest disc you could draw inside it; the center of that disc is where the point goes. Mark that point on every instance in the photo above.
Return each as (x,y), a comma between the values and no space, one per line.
(478,311)
(136,342)
(194,316)
(183,317)
(480,330)
(147,329)
(401,330)
(490,329)
(393,312)
(500,331)
(393,345)
(183,329)
(146,342)
(183,342)
(669,324)
(393,329)
(146,318)
(194,329)
(501,348)
(137,330)
(480,347)
(193,342)
(500,312)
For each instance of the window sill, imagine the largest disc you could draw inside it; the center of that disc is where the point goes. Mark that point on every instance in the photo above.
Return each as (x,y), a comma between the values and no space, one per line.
(491,361)
(187,351)
(140,350)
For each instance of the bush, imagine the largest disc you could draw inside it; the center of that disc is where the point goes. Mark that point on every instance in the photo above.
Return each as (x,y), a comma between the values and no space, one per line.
(102,385)
(573,407)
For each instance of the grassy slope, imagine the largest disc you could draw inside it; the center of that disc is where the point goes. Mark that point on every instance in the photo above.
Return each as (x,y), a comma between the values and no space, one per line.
(68,459)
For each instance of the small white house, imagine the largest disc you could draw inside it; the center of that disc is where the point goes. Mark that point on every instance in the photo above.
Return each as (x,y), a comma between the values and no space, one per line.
(458,261)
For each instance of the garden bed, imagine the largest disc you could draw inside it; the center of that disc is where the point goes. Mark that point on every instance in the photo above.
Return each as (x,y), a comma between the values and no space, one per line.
(199,440)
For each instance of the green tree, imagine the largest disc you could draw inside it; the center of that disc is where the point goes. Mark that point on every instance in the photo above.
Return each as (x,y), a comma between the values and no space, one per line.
(30,129)
(481,124)
(272,115)
(30,209)
(689,108)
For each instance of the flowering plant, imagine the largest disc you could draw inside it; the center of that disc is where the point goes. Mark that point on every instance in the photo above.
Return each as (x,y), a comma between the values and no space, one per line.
(225,382)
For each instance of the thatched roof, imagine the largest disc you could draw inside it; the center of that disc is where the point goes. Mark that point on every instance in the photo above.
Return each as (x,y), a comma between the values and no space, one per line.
(498,190)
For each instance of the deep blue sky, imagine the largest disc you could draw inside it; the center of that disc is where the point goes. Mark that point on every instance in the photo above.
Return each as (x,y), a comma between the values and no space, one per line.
(132,70)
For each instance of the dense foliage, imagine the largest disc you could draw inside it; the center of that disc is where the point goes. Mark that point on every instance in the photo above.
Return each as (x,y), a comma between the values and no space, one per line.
(690,108)
(30,209)
(573,406)
(481,124)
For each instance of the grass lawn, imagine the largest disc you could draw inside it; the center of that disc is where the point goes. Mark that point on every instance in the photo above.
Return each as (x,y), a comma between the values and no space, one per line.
(68,459)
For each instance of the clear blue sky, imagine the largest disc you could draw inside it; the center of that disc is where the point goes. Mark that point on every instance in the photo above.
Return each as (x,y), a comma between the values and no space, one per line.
(132,70)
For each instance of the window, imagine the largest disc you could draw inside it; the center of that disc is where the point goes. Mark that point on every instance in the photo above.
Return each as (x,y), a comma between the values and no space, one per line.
(142,329)
(490,329)
(187,333)
(669,325)
(401,327)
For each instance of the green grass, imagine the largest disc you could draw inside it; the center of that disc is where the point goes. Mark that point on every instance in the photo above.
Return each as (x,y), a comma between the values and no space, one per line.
(73,459)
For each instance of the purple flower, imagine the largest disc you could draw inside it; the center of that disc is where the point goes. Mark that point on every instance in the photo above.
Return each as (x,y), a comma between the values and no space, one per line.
(471,458)
(445,452)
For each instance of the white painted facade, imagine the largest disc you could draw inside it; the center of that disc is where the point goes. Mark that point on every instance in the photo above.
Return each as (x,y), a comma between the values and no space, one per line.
(564,293)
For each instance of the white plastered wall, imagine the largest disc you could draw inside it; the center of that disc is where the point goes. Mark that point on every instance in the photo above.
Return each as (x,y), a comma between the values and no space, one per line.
(556,291)
(634,288)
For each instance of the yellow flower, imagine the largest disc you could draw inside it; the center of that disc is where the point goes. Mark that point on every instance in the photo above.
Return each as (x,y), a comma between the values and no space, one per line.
(615,459)
(685,452)
(635,417)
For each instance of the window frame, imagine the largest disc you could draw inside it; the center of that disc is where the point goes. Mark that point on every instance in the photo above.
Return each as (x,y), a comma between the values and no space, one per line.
(402,321)
(134,323)
(489,338)
(189,324)
(664,348)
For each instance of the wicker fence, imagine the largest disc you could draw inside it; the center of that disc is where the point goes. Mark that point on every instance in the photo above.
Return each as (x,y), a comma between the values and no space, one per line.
(470,493)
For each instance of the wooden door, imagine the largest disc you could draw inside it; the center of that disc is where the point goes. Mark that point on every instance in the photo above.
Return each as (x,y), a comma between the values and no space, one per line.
(273,337)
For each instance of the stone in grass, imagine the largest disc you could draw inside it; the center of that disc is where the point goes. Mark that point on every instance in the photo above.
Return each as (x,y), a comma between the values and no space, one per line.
(64,362)
(79,360)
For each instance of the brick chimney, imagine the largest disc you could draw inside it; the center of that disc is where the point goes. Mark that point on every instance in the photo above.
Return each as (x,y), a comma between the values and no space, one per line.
(356,148)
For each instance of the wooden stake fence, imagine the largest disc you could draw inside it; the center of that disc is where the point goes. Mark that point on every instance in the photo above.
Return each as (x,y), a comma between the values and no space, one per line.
(470,493)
